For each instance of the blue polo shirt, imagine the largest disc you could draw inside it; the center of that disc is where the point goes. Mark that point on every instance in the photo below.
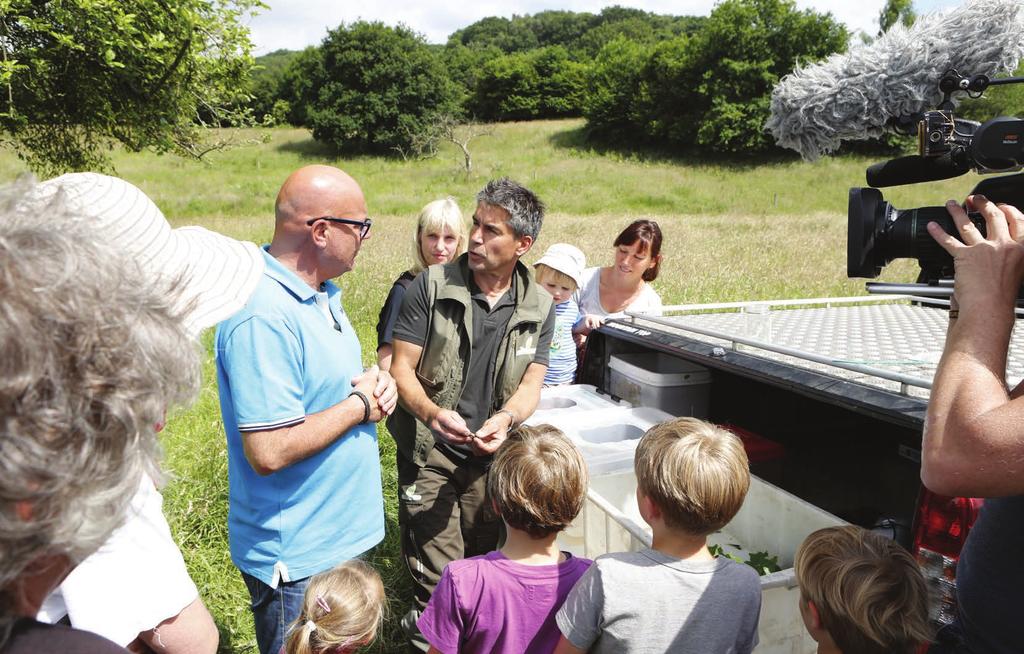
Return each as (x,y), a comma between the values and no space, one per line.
(289,353)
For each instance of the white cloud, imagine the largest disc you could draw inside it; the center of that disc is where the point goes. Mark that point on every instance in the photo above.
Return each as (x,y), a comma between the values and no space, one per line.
(294,24)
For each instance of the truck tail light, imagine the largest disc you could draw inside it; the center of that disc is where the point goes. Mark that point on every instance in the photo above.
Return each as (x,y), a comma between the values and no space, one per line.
(939,535)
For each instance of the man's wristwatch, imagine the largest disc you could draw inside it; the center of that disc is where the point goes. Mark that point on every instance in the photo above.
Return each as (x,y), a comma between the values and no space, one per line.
(511,417)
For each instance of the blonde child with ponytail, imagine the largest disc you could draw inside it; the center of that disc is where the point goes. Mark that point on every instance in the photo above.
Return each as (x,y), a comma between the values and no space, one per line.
(342,611)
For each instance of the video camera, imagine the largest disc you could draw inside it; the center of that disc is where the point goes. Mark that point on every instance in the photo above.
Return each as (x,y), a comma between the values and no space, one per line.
(947,147)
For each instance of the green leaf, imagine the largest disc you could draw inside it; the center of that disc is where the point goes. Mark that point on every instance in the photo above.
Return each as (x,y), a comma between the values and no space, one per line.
(145,73)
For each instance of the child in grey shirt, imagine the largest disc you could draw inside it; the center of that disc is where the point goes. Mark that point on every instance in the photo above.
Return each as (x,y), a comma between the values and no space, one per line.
(692,478)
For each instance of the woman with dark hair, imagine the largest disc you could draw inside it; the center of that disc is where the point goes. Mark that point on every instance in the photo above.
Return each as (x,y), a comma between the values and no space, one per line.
(610,291)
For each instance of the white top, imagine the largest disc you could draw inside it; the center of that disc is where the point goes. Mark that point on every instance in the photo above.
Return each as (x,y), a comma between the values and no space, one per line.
(648,301)
(135,581)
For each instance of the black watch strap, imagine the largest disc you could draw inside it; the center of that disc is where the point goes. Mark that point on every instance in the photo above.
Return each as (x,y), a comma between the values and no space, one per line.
(366,405)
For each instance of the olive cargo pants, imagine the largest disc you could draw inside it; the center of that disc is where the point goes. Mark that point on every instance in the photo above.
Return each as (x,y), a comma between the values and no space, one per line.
(444,514)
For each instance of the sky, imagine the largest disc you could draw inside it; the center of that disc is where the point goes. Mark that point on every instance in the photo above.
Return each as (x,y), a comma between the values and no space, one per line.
(294,24)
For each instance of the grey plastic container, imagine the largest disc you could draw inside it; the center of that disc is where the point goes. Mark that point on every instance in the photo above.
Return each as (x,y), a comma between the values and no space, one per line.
(662,382)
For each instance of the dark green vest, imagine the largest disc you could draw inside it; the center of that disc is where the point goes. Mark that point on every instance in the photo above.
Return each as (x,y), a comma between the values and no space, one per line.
(445,358)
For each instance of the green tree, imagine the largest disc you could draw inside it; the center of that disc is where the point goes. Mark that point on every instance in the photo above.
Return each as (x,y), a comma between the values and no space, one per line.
(646,28)
(711,89)
(746,46)
(465,64)
(506,34)
(896,11)
(616,100)
(541,83)
(78,75)
(265,81)
(507,89)
(556,27)
(299,86)
(378,87)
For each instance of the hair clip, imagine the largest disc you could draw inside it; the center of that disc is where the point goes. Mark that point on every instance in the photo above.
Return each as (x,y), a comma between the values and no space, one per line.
(322,604)
(310,626)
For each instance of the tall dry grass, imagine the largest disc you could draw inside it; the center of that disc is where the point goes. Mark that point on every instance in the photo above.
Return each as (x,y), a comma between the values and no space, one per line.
(733,230)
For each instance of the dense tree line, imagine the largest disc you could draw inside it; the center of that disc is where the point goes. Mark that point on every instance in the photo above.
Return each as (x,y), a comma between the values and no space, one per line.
(710,89)
(77,76)
(636,76)
(680,82)
(519,68)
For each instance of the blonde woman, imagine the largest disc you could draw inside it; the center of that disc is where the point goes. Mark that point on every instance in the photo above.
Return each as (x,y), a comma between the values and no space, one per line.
(341,612)
(440,238)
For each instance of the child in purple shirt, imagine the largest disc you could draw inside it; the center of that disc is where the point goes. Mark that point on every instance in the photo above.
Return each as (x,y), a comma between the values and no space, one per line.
(506,601)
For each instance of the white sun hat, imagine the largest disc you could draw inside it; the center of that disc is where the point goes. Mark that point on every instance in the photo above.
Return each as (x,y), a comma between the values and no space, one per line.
(566,259)
(216,274)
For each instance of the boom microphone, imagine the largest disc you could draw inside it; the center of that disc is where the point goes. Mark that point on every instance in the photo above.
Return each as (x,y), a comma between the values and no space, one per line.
(853,95)
(914,170)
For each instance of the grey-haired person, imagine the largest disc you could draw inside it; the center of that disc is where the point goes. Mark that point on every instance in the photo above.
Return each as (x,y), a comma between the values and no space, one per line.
(470,352)
(91,358)
(135,589)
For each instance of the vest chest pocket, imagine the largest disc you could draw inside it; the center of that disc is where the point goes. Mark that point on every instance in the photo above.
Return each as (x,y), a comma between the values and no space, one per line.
(429,385)
(436,357)
(525,345)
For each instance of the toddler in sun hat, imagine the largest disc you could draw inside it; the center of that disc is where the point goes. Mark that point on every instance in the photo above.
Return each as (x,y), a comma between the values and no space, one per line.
(559,272)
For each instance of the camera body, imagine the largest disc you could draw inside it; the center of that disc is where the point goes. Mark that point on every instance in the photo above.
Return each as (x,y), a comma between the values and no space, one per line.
(947,147)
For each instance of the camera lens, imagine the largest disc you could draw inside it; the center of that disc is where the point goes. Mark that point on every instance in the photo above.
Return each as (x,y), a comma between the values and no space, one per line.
(879,233)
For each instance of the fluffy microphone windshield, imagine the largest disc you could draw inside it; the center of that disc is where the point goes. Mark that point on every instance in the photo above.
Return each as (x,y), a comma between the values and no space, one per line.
(852,95)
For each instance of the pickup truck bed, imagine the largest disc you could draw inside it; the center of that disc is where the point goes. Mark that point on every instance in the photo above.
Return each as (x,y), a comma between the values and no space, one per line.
(840,383)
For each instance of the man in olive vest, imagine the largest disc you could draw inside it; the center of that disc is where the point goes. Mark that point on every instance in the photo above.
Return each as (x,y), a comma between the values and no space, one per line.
(470,352)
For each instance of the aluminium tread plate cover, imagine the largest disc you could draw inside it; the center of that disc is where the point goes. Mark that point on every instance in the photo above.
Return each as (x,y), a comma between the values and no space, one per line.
(896,337)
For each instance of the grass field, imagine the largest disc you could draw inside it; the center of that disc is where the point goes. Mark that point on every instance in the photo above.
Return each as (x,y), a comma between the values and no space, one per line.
(732,231)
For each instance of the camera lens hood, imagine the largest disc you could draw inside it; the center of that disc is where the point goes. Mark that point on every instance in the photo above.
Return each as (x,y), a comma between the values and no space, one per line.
(862,227)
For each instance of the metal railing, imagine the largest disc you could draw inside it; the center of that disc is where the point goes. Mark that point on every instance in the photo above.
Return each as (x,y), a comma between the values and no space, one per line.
(734,340)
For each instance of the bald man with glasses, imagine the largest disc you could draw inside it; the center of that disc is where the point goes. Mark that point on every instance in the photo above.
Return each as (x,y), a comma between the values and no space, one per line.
(299,410)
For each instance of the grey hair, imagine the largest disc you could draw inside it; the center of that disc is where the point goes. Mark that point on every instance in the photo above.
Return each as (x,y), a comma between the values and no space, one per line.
(90,361)
(525,209)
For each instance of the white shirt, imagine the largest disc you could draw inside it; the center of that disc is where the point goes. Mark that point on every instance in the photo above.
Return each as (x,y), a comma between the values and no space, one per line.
(135,581)
(648,301)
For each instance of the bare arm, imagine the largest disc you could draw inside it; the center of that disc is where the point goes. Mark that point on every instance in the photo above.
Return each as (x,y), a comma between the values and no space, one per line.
(191,631)
(448,424)
(384,353)
(589,323)
(974,430)
(273,450)
(522,404)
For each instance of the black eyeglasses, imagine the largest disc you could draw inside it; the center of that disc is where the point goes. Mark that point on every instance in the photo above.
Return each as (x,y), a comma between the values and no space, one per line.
(364,225)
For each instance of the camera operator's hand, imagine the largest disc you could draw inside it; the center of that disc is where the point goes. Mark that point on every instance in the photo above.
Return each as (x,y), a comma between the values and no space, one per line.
(988,269)
(972,444)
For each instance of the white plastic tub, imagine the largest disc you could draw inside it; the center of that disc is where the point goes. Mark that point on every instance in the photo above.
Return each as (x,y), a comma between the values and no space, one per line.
(572,398)
(770,520)
(654,380)
(606,437)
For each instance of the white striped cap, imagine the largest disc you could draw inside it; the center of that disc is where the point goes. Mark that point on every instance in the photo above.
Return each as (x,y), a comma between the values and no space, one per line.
(217,273)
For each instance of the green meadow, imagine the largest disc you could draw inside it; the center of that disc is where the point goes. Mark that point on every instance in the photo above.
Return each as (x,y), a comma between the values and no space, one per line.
(734,230)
